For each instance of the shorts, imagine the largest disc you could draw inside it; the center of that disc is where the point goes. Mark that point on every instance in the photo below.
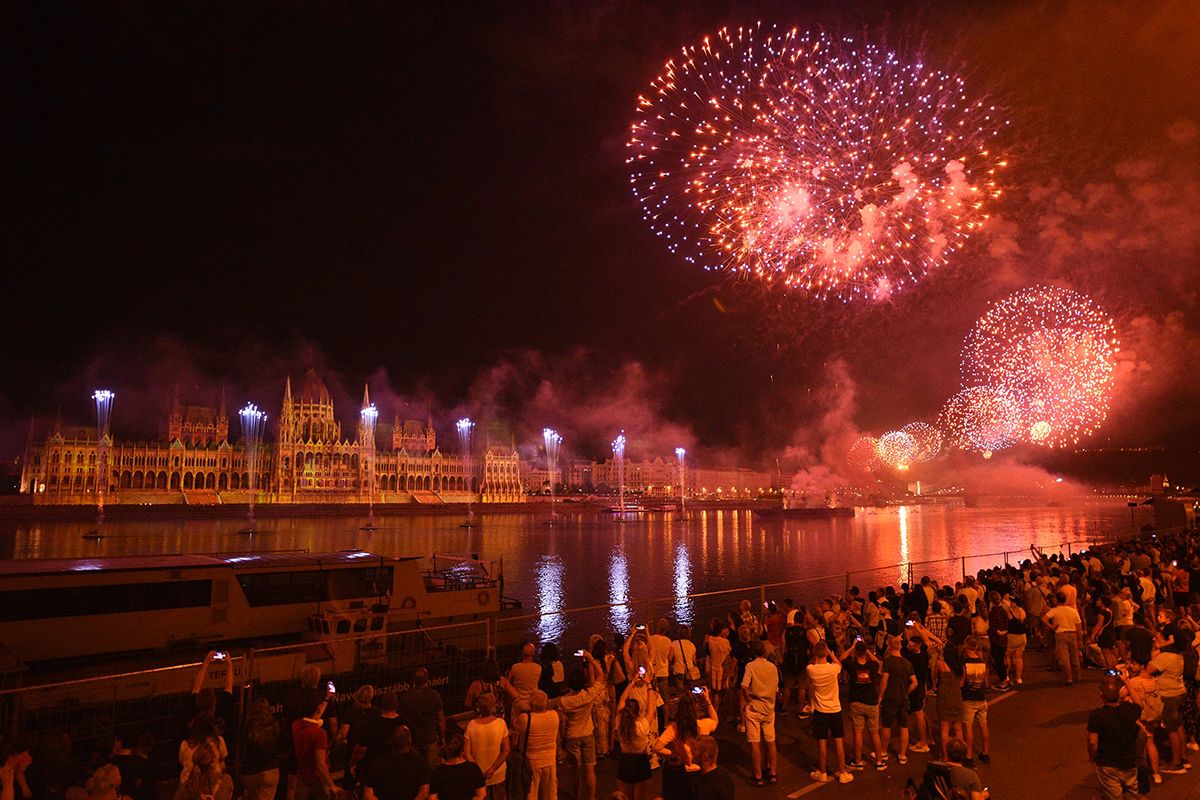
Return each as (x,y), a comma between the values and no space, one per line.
(974,710)
(633,767)
(827,726)
(1016,641)
(894,712)
(583,749)
(916,701)
(864,717)
(760,721)
(1171,718)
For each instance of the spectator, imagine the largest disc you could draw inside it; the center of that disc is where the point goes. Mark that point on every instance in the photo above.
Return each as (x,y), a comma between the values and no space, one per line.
(1104,632)
(963,778)
(311,745)
(682,657)
(1112,743)
(1167,669)
(490,681)
(455,778)
(917,654)
(104,784)
(1123,610)
(587,686)
(717,652)
(537,732)
(711,781)
(487,744)
(660,650)
(897,682)
(675,743)
(958,627)
(760,685)
(827,725)
(260,763)
(633,741)
(974,694)
(862,671)
(420,709)
(354,721)
(396,772)
(201,731)
(1141,688)
(524,677)
(553,679)
(1139,640)
(1064,620)
(614,676)
(376,736)
(137,771)
(997,630)
(773,622)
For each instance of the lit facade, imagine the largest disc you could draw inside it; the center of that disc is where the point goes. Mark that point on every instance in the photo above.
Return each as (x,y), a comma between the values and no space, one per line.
(310,461)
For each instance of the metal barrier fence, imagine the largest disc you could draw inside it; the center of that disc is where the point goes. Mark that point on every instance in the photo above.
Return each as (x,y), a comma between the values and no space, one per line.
(159,702)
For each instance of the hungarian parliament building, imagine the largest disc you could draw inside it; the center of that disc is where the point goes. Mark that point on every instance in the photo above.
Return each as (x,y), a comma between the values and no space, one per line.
(310,461)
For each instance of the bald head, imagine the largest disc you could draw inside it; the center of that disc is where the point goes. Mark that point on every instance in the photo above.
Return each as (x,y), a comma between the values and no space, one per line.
(528,651)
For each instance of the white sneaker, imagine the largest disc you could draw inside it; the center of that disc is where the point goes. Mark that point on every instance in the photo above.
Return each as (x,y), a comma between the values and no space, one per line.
(1193,746)
(1157,778)
(818,776)
(844,777)
(919,748)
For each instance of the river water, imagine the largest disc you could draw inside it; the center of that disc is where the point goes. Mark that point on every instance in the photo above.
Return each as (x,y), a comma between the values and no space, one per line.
(590,558)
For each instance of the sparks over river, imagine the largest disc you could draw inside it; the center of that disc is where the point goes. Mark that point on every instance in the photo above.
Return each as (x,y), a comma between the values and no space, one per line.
(831,167)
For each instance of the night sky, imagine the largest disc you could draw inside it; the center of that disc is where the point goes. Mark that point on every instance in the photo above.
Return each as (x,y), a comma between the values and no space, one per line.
(434,198)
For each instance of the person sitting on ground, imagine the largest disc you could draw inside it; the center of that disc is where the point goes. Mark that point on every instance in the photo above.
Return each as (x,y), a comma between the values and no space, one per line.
(963,778)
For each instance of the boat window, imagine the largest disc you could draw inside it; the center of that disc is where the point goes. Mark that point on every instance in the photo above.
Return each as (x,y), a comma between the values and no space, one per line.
(360,625)
(314,585)
(84,601)
(343,626)
(376,623)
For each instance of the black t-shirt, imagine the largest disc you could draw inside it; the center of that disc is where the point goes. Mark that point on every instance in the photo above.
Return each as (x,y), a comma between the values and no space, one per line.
(375,734)
(419,708)
(1117,728)
(395,776)
(357,717)
(1171,631)
(455,781)
(920,664)
(716,784)
(1141,643)
(975,685)
(958,627)
(899,672)
(137,775)
(864,681)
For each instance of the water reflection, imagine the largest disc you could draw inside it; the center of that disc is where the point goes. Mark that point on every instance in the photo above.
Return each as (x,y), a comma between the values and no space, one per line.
(683,585)
(548,579)
(618,591)
(903,514)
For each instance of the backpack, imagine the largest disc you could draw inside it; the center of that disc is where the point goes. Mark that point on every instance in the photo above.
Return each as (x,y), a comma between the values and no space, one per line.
(935,783)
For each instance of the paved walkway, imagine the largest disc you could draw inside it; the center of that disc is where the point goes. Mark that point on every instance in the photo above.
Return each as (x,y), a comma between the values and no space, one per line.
(1039,751)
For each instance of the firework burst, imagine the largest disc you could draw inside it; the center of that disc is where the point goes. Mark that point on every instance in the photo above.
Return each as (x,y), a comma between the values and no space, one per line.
(1055,351)
(982,418)
(928,440)
(829,167)
(896,449)
(863,455)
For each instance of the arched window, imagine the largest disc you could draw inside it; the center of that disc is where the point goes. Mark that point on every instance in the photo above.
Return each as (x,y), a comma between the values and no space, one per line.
(223,483)
(175,481)
(187,481)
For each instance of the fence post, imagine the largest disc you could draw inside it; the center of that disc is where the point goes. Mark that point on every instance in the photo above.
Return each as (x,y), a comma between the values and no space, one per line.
(1068,549)
(964,569)
(1006,558)
(762,596)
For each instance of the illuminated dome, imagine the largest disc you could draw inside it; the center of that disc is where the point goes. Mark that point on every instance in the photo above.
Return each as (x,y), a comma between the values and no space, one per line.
(312,390)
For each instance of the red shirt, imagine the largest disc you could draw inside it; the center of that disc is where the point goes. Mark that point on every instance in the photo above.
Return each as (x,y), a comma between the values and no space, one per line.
(307,738)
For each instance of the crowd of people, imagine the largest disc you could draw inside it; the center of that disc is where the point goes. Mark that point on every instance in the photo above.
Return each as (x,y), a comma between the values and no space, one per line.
(905,670)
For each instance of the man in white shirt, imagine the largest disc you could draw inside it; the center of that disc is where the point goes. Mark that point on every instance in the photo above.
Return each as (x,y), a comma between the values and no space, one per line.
(1064,620)
(1148,595)
(759,687)
(683,659)
(823,673)
(660,648)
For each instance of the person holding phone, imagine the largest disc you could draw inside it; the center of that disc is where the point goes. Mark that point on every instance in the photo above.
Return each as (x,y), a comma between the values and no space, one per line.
(694,716)
(634,722)
(862,669)
(586,686)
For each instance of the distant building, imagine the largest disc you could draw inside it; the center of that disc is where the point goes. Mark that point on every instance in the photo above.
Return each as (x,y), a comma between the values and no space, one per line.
(310,461)
(660,478)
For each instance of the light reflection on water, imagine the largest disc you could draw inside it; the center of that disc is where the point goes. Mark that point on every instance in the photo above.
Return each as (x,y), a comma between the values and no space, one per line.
(587,559)
(548,578)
